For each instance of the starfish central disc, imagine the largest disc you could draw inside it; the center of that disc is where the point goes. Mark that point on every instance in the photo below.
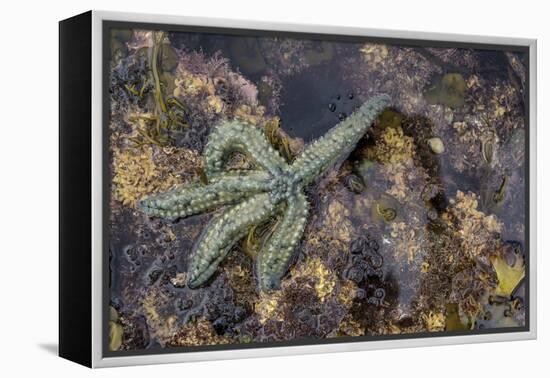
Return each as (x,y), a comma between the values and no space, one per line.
(283,186)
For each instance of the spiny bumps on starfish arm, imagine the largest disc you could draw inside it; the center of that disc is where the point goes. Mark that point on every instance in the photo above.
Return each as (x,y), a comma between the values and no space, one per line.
(335,146)
(272,261)
(273,189)
(197,198)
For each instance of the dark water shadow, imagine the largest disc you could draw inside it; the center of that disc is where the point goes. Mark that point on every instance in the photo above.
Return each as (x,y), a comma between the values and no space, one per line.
(52,348)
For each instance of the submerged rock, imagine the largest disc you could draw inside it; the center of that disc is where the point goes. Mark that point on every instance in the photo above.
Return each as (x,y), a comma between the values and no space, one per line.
(448,90)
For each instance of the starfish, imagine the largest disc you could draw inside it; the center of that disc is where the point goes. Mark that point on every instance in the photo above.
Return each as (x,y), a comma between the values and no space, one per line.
(273,188)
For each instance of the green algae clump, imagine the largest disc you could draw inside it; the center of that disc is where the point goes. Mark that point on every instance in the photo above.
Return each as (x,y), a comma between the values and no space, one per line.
(323,53)
(247,54)
(389,118)
(449,90)
(119,38)
(453,320)
(116,330)
(509,275)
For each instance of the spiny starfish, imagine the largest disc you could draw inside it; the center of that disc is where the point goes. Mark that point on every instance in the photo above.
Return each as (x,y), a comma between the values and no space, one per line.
(272,189)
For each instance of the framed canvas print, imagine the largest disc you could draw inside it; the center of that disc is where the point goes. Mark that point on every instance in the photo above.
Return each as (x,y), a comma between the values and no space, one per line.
(234,189)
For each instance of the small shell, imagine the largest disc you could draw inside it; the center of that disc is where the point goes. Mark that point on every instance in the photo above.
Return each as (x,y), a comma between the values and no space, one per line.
(436,144)
(385,209)
(354,183)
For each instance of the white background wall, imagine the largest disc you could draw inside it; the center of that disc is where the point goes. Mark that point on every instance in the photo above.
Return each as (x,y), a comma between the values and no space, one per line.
(28,185)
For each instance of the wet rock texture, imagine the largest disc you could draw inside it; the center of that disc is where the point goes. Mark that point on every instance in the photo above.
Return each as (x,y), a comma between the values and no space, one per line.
(422,229)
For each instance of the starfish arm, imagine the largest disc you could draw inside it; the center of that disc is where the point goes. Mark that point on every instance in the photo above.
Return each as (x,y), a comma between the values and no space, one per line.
(234,136)
(194,199)
(238,173)
(274,257)
(224,231)
(336,145)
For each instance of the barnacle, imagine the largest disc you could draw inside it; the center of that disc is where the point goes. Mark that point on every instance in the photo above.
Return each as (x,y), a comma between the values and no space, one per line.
(272,189)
